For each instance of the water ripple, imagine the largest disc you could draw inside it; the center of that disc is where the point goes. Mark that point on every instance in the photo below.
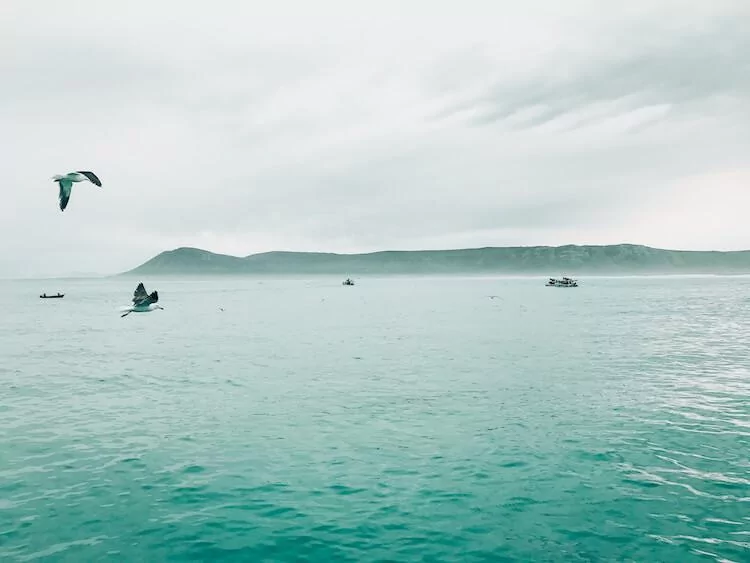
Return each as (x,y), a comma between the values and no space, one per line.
(405,421)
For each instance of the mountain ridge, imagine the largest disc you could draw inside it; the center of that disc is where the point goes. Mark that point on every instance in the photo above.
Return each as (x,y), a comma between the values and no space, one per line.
(605,259)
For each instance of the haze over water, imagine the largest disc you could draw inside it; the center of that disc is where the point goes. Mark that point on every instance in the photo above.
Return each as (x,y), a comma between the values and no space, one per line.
(400,419)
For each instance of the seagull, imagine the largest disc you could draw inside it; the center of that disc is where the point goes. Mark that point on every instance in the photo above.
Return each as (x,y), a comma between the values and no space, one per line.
(142,302)
(66,184)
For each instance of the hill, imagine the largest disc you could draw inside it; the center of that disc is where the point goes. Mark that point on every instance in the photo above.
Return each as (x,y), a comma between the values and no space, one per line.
(543,260)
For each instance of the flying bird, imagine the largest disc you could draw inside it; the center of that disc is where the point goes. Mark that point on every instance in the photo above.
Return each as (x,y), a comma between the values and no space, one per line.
(66,184)
(143,302)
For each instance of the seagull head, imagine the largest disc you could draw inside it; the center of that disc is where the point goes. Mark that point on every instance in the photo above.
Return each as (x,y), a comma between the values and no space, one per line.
(57,177)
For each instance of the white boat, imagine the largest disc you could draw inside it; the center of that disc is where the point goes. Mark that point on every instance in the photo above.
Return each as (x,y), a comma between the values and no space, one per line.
(562,282)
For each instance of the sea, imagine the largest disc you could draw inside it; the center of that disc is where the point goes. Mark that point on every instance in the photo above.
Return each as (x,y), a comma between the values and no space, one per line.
(401,419)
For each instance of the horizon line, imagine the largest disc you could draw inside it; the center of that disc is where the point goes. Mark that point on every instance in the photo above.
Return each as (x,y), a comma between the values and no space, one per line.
(489,275)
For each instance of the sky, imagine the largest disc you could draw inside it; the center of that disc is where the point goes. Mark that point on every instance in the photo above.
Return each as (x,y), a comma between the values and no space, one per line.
(355,126)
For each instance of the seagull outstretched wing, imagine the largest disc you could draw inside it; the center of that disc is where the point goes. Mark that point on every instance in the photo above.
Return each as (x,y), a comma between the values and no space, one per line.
(139,293)
(64,196)
(141,297)
(91,176)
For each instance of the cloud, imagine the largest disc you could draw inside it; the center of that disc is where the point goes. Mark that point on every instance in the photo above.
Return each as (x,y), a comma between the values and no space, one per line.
(248,127)
(682,72)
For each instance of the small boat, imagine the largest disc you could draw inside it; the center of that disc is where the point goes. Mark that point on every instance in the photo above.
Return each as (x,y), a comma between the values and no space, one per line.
(45,296)
(562,282)
(348,281)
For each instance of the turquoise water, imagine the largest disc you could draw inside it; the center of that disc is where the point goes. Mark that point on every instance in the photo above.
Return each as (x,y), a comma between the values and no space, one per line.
(400,420)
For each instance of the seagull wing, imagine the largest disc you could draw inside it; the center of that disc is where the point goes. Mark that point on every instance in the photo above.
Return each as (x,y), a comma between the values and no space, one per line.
(65,188)
(91,176)
(139,295)
(142,299)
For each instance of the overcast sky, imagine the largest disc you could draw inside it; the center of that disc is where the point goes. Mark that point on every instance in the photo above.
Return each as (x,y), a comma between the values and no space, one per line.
(347,126)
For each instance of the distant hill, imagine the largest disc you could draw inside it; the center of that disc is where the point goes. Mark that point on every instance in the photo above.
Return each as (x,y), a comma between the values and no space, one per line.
(543,260)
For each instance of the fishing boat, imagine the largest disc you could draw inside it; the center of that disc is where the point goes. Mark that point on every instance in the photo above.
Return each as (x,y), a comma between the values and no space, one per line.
(562,282)
(348,281)
(45,296)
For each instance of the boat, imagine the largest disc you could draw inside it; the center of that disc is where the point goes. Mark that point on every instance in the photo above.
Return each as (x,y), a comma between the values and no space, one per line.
(45,296)
(562,282)
(348,281)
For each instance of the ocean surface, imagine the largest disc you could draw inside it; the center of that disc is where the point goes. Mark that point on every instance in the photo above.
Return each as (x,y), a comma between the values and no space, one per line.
(401,419)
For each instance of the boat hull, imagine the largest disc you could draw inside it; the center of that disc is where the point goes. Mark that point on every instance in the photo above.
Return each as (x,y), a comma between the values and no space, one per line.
(562,282)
